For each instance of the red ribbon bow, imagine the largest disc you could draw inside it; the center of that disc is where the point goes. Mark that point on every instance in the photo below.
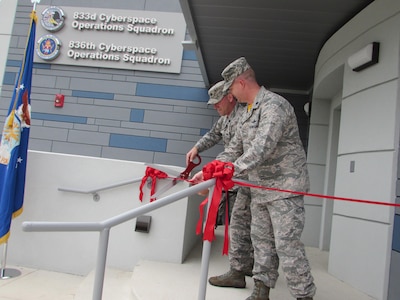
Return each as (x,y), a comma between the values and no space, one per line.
(154,174)
(223,172)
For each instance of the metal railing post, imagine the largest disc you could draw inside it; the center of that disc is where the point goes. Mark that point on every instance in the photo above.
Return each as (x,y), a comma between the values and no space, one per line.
(205,256)
(101,264)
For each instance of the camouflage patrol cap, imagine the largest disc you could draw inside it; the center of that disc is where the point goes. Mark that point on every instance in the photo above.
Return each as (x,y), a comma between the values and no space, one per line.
(233,70)
(216,93)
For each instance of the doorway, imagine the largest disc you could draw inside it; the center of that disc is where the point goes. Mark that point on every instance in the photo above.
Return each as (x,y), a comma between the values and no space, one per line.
(330,178)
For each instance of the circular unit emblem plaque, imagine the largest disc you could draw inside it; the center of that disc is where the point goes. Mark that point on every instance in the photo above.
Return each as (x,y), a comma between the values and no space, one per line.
(52,18)
(48,47)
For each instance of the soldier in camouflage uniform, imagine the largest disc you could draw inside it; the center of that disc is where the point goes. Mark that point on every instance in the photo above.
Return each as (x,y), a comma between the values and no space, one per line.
(241,255)
(268,150)
(224,129)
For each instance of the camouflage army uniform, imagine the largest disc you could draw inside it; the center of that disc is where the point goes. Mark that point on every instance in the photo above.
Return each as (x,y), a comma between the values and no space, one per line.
(273,156)
(241,250)
(223,129)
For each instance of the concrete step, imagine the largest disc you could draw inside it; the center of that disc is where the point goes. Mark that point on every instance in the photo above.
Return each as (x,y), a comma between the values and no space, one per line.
(151,280)
(166,281)
(117,286)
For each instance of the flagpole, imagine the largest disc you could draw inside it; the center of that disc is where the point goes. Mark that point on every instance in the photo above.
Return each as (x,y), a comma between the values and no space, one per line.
(9,273)
(34,4)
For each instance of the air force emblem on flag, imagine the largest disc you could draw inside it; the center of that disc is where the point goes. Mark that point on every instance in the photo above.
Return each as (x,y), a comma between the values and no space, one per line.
(10,139)
(14,124)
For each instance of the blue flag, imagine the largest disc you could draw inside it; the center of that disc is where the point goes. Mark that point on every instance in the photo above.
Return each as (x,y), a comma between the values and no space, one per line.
(14,141)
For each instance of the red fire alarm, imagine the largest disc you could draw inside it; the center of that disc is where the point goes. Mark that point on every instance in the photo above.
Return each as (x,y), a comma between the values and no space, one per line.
(59,100)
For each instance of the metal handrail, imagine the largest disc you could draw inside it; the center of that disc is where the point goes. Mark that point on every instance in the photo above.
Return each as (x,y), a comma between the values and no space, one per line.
(94,192)
(104,228)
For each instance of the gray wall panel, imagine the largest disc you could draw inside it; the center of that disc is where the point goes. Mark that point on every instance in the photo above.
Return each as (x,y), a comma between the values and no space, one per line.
(76,149)
(179,122)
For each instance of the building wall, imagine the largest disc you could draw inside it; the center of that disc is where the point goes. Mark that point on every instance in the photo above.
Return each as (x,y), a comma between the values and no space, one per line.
(156,117)
(367,148)
(112,122)
(123,114)
(47,199)
(6,24)
(394,275)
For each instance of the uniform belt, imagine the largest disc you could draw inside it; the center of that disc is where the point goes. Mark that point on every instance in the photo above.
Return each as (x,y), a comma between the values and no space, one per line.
(230,192)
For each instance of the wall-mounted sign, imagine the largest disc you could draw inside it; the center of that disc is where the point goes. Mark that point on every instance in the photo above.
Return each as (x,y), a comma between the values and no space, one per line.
(52,18)
(109,38)
(48,47)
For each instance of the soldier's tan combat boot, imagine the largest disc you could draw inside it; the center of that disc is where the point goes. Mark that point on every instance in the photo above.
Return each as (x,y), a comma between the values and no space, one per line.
(232,278)
(260,292)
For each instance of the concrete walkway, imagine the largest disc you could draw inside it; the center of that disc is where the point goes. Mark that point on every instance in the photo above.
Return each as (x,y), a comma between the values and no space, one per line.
(152,280)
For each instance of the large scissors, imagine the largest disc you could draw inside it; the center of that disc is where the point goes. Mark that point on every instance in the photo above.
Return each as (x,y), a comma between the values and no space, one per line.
(183,175)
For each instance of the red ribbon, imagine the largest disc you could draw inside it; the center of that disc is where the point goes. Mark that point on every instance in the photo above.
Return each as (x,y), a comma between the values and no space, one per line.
(154,174)
(317,195)
(222,172)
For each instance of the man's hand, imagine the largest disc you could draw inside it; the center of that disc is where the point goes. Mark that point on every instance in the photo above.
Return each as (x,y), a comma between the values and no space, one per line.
(197,178)
(191,155)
